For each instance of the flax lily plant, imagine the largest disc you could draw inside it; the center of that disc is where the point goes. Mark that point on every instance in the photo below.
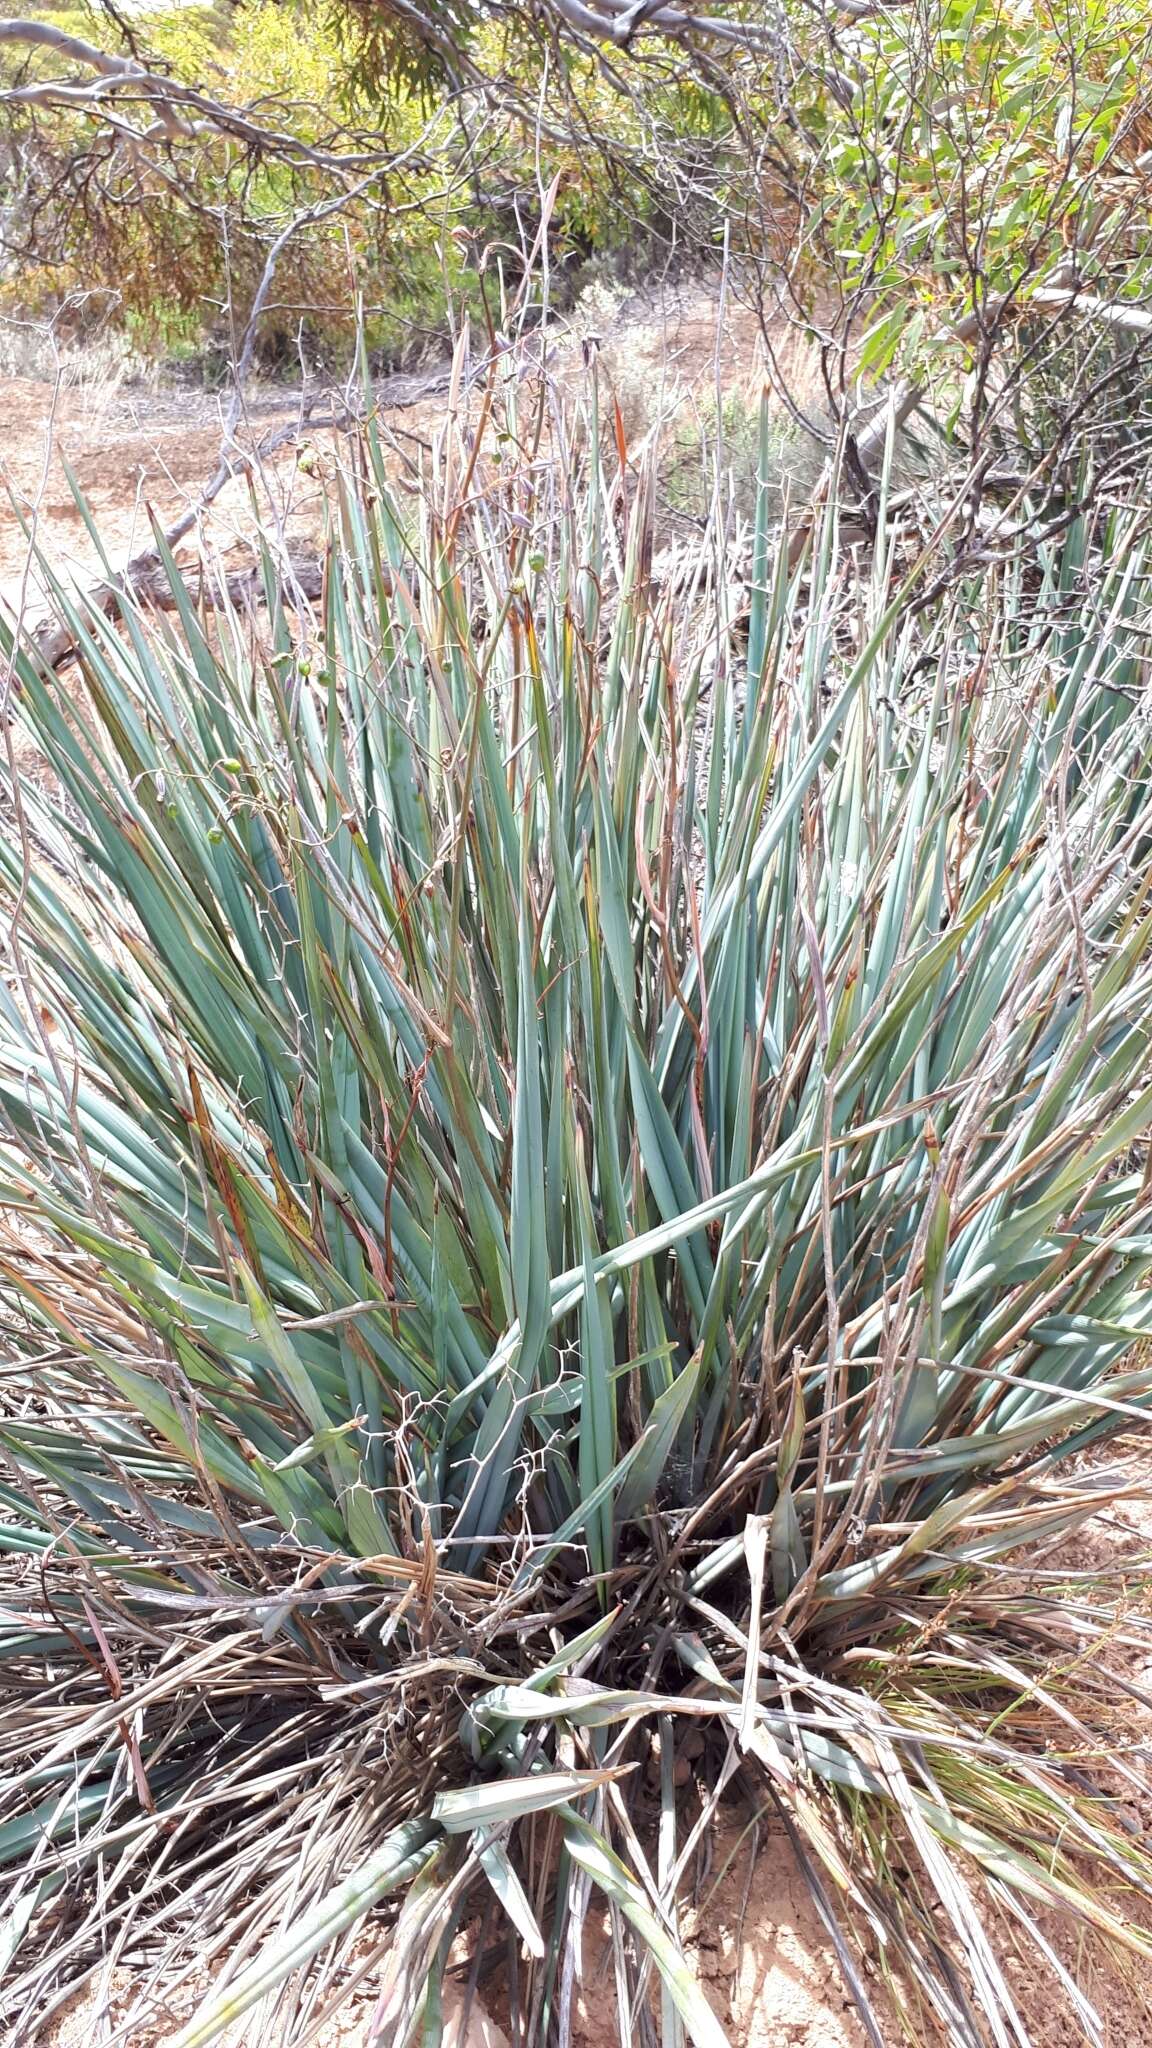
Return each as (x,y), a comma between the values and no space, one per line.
(574,1175)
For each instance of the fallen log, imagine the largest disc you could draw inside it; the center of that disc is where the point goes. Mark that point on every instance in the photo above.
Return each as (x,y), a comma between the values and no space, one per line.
(300,568)
(144,581)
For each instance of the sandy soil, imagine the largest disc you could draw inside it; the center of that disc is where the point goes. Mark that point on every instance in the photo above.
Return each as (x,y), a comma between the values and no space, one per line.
(755,1941)
(133,453)
(136,450)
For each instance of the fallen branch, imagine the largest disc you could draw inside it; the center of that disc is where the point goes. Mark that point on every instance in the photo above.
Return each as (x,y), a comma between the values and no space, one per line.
(142,579)
(302,572)
(179,110)
(906,396)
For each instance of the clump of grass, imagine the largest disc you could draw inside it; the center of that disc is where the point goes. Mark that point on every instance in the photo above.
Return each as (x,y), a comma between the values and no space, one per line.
(567,1177)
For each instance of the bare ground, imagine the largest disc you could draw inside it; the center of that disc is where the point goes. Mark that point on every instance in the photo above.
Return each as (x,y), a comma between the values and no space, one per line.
(138,451)
(755,1941)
